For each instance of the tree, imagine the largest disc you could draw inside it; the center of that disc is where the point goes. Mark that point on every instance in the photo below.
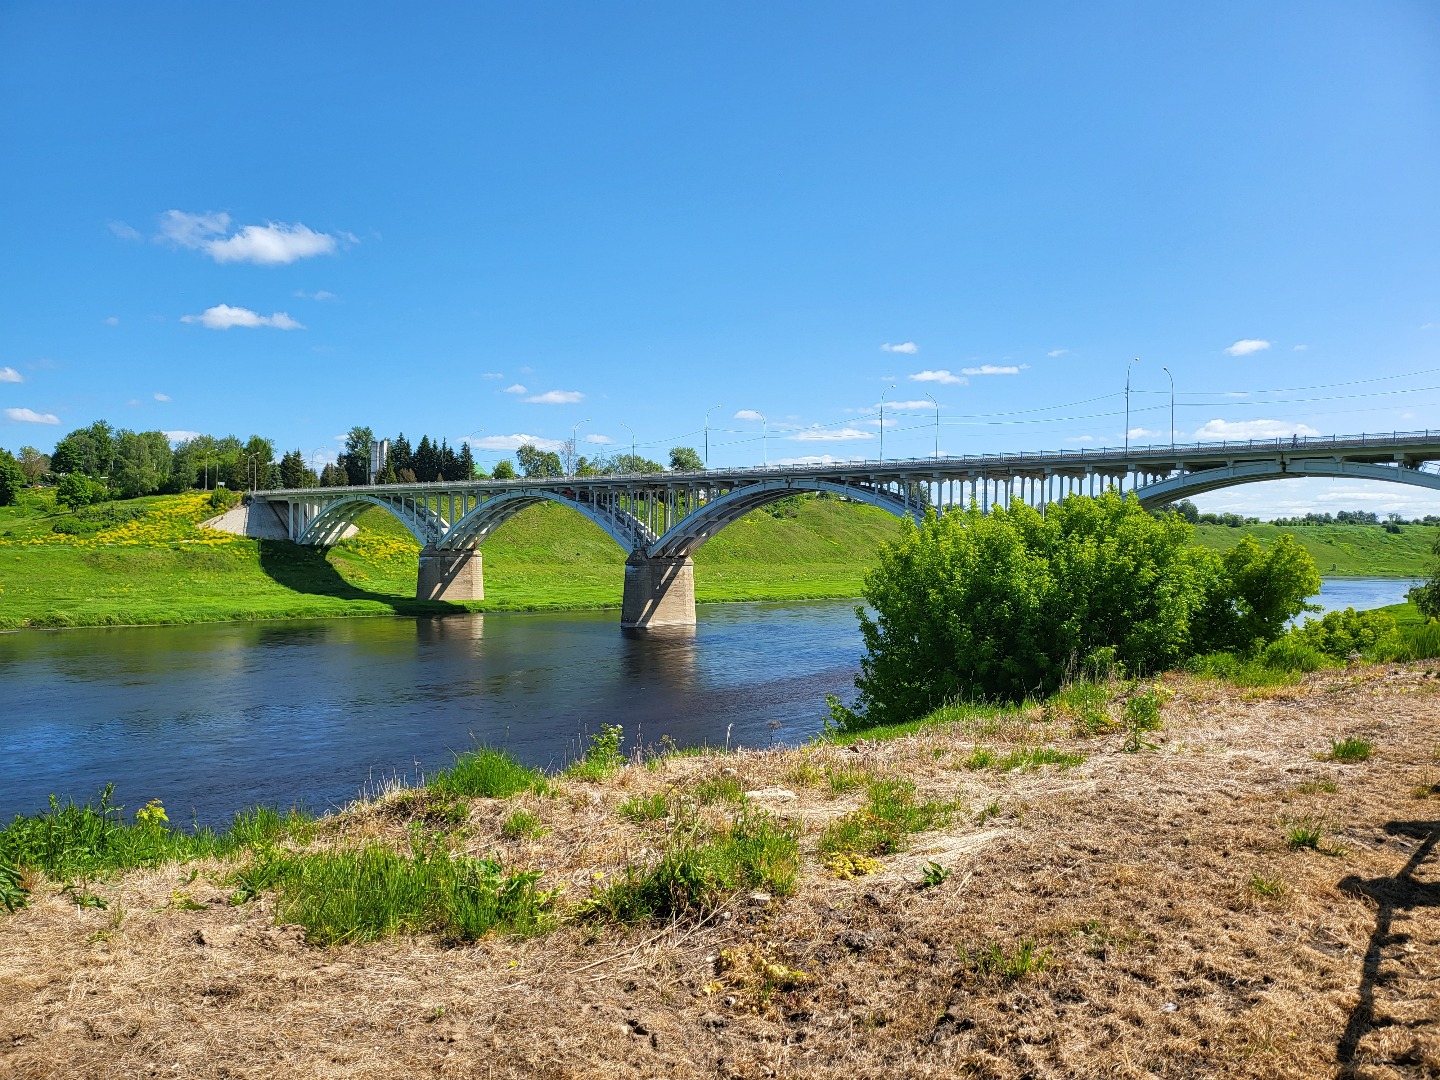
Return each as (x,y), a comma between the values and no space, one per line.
(258,453)
(633,463)
(356,458)
(1426,597)
(78,490)
(292,470)
(503,470)
(12,478)
(426,462)
(465,463)
(401,456)
(535,462)
(449,463)
(685,459)
(1256,591)
(334,475)
(33,463)
(88,450)
(141,463)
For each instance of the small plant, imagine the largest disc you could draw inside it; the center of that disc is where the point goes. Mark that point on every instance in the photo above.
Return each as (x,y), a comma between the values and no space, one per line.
(804,773)
(485,773)
(988,811)
(1305,833)
(603,756)
(1270,888)
(845,778)
(13,894)
(1008,964)
(1426,789)
(1316,787)
(521,825)
(1352,749)
(152,815)
(933,874)
(981,757)
(1141,716)
(848,864)
(719,789)
(1087,702)
(882,826)
(643,808)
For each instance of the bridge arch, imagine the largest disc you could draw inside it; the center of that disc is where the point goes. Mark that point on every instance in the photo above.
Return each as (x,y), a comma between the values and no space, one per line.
(1184,485)
(473,528)
(330,523)
(693,530)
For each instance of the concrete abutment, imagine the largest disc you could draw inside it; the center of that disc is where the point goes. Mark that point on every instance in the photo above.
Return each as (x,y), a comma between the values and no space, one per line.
(658,592)
(450,575)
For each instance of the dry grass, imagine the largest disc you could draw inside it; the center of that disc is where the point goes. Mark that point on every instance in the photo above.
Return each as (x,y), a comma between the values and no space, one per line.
(1099,920)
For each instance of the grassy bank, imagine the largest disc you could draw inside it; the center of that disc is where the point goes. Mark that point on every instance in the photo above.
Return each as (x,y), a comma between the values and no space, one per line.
(1341,550)
(160,567)
(1001,892)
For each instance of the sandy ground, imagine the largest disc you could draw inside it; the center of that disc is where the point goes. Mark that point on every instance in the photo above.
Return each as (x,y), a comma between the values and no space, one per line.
(1134,872)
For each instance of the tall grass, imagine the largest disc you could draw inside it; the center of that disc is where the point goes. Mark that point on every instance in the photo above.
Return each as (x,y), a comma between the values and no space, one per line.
(347,896)
(488,773)
(880,827)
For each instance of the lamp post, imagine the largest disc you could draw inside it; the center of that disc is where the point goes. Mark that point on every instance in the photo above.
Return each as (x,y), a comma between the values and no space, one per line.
(628,428)
(1166,370)
(707,434)
(205,477)
(765,439)
(937,426)
(471,440)
(318,452)
(575,445)
(882,421)
(1127,402)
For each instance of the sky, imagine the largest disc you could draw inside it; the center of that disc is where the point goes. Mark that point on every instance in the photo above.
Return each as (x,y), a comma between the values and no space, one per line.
(501,223)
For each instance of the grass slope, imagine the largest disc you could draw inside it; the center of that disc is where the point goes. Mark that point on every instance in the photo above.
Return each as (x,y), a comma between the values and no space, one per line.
(1342,550)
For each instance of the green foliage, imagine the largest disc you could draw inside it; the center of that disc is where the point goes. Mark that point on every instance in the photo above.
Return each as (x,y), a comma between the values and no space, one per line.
(535,462)
(1426,596)
(486,773)
(642,808)
(12,479)
(1140,716)
(1022,759)
(141,463)
(347,896)
(503,470)
(1341,633)
(1270,888)
(1007,604)
(1409,643)
(686,459)
(13,895)
(603,756)
(77,491)
(1008,964)
(1305,833)
(1087,702)
(1351,749)
(521,825)
(883,825)
(719,789)
(698,872)
(933,874)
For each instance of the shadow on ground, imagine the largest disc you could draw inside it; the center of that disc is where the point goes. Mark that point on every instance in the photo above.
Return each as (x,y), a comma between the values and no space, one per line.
(1394,897)
(304,569)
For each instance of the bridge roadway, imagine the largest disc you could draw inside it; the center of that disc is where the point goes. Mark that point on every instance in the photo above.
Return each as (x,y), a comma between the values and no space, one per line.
(659,520)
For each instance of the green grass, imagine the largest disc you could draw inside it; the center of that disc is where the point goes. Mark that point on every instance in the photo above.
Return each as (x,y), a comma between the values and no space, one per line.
(1305,833)
(1270,888)
(1023,759)
(488,773)
(1008,964)
(719,789)
(602,757)
(1350,750)
(1341,550)
(699,872)
(883,825)
(348,896)
(642,808)
(522,825)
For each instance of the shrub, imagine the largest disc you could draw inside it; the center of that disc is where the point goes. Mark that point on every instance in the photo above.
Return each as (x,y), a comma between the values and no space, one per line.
(603,756)
(488,773)
(999,606)
(77,491)
(1291,653)
(1341,633)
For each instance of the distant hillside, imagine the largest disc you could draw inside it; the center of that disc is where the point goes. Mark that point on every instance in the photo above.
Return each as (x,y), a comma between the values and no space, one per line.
(1342,550)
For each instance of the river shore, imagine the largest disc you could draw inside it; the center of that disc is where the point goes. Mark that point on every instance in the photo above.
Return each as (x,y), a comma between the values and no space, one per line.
(1224,898)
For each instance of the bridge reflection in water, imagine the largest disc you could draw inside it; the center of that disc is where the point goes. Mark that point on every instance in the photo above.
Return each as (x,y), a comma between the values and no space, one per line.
(660,520)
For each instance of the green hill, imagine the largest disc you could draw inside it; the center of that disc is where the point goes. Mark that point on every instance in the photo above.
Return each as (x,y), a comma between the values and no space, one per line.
(1342,550)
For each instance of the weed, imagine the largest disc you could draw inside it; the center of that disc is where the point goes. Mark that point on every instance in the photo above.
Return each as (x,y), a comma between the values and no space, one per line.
(804,773)
(719,789)
(645,807)
(485,772)
(1087,702)
(1426,789)
(988,811)
(753,969)
(1141,716)
(1305,833)
(356,896)
(1270,888)
(13,895)
(845,778)
(698,872)
(1347,750)
(883,824)
(847,864)
(996,961)
(522,824)
(183,901)
(933,874)
(1316,787)
(981,757)
(603,757)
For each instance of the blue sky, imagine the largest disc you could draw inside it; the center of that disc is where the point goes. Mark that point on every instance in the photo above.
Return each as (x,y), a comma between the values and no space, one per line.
(288,219)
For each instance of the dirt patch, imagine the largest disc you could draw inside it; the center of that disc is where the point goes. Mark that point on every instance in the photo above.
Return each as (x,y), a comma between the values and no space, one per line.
(1138,914)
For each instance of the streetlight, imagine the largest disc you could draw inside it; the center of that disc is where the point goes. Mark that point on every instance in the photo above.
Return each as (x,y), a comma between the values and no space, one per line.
(318,452)
(471,440)
(628,428)
(1127,402)
(1166,370)
(882,421)
(765,438)
(937,426)
(575,445)
(707,434)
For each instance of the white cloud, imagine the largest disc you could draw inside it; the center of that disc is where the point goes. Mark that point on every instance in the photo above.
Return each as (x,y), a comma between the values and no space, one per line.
(908,347)
(1081,439)
(320,294)
(748,414)
(940,376)
(515,388)
(181,436)
(30,416)
(1301,348)
(1053,353)
(9,374)
(923,403)
(493,375)
(1245,346)
(1252,429)
(993,369)
(122,230)
(112,321)
(556,397)
(819,434)
(599,440)
(162,397)
(514,442)
(272,244)
(223,317)
(1144,433)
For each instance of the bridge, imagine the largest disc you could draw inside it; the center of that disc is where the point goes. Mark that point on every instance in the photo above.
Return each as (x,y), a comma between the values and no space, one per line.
(660,520)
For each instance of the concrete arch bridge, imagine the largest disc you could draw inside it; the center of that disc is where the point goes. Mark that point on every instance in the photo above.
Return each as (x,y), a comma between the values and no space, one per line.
(660,520)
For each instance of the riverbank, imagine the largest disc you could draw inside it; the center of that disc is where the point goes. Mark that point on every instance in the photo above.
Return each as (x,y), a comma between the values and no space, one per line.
(1206,904)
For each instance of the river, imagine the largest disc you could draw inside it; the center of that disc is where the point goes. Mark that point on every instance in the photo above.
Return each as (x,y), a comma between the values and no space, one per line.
(214,717)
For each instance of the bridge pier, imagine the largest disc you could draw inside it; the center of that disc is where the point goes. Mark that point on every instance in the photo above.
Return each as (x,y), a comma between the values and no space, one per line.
(658,592)
(450,575)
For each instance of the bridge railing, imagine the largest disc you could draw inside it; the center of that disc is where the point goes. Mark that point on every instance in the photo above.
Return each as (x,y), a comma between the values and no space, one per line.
(1134,454)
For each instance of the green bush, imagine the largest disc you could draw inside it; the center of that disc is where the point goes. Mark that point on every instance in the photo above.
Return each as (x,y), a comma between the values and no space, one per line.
(1010,603)
(1291,653)
(77,491)
(485,773)
(12,479)
(1341,633)
(603,756)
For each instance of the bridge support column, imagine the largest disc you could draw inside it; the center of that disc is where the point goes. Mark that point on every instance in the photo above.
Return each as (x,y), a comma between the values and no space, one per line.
(450,575)
(658,592)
